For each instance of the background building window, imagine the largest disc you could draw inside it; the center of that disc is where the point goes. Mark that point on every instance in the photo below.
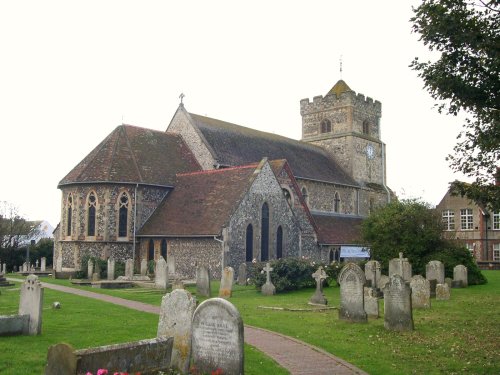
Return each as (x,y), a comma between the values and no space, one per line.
(448,217)
(91,206)
(496,220)
(496,252)
(123,215)
(326,126)
(470,247)
(466,218)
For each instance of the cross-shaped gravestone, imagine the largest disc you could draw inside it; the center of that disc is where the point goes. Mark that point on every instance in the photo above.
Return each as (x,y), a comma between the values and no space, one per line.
(268,270)
(268,289)
(318,298)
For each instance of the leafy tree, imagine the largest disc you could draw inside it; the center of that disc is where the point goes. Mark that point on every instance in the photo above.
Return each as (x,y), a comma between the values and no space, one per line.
(465,77)
(413,228)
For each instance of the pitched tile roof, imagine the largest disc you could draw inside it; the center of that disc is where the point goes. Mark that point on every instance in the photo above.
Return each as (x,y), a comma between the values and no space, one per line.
(238,145)
(132,154)
(337,229)
(201,203)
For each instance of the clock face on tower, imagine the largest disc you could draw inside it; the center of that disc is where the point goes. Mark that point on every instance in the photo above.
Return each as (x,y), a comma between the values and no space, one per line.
(370,152)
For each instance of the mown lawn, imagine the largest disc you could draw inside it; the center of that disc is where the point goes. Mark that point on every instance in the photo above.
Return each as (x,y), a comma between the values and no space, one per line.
(453,337)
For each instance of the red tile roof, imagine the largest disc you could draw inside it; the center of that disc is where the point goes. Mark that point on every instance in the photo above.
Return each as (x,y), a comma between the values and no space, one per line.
(132,154)
(338,230)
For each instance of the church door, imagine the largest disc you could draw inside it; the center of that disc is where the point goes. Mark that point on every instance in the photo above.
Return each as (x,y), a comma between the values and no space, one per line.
(151,250)
(264,238)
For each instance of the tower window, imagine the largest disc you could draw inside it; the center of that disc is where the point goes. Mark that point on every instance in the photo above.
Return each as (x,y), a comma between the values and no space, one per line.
(69,214)
(366,127)
(91,205)
(123,215)
(326,126)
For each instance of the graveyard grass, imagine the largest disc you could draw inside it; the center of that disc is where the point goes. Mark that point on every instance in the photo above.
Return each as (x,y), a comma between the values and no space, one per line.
(453,337)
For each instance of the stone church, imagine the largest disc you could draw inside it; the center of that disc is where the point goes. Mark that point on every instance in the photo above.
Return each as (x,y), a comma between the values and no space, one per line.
(210,192)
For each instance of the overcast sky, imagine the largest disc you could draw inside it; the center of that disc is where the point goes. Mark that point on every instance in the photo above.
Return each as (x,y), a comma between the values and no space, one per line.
(70,72)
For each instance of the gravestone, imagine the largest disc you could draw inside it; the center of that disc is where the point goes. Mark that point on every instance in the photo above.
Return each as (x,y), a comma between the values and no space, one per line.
(217,338)
(432,286)
(242,274)
(129,269)
(36,264)
(226,282)
(177,284)
(371,303)
(372,273)
(203,281)
(111,269)
(384,280)
(176,314)
(25,267)
(171,266)
(442,292)
(43,264)
(318,297)
(448,280)
(434,270)
(352,280)
(420,292)
(400,266)
(268,289)
(161,274)
(460,274)
(31,303)
(59,264)
(4,268)
(398,315)
(144,267)
(90,269)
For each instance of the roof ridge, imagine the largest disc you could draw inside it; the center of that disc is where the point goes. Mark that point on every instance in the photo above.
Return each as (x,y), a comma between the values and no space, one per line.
(132,154)
(213,171)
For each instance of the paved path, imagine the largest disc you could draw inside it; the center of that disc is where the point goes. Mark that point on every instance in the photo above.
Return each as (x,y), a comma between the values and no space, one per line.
(297,357)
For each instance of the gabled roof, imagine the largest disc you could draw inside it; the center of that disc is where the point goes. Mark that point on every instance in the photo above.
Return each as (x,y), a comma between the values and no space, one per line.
(201,203)
(132,154)
(337,229)
(237,145)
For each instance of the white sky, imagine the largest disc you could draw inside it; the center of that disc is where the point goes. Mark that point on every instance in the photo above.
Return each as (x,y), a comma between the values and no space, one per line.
(71,71)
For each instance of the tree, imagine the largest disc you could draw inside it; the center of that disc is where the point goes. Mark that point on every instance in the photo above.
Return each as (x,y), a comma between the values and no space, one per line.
(412,227)
(465,77)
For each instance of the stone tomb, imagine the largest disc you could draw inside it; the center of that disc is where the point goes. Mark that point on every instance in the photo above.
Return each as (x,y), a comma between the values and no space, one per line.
(242,274)
(203,281)
(318,297)
(442,292)
(268,289)
(161,274)
(398,315)
(352,281)
(460,276)
(434,270)
(217,338)
(420,292)
(400,266)
(176,314)
(226,282)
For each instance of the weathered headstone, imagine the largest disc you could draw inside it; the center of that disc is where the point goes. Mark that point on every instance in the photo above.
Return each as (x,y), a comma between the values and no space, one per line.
(59,264)
(36,264)
(432,287)
(31,303)
(177,284)
(372,273)
(352,280)
(242,274)
(371,303)
(4,268)
(176,314)
(442,292)
(144,267)
(460,274)
(268,289)
(420,292)
(217,338)
(318,297)
(398,315)
(129,269)
(226,283)
(43,264)
(434,270)
(25,267)
(161,274)
(111,269)
(400,266)
(203,281)
(171,266)
(90,269)
(384,280)
(448,280)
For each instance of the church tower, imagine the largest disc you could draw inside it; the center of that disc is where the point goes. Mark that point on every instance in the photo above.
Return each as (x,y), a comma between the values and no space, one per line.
(347,125)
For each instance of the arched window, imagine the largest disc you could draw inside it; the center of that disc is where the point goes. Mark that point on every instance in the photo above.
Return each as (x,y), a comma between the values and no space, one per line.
(336,202)
(264,235)
(331,256)
(287,195)
(123,215)
(279,243)
(70,215)
(249,243)
(163,249)
(366,127)
(305,195)
(151,250)
(326,126)
(91,209)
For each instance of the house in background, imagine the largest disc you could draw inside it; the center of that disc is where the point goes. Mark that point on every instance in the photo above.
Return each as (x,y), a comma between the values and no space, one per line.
(475,226)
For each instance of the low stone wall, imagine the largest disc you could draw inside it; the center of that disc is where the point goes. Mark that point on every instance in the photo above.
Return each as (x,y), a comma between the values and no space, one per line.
(144,356)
